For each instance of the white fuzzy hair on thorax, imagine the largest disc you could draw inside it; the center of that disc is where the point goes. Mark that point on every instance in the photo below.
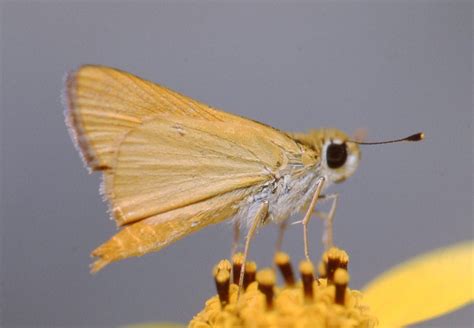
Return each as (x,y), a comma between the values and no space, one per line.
(285,196)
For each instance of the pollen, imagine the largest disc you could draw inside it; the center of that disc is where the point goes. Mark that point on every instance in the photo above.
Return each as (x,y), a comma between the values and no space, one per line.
(301,300)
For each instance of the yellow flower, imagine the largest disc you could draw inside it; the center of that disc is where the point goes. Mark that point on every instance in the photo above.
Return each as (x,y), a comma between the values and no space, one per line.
(325,302)
(420,289)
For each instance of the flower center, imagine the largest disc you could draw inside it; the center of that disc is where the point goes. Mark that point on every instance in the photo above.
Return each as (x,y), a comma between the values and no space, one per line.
(325,301)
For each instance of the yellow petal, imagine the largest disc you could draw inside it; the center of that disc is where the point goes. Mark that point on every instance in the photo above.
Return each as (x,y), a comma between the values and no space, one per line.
(424,287)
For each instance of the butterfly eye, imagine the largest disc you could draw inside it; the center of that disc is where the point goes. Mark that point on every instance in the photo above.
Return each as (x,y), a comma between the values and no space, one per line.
(336,155)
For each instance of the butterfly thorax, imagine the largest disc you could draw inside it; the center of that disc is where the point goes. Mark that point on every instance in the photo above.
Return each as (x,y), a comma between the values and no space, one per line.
(286,194)
(294,184)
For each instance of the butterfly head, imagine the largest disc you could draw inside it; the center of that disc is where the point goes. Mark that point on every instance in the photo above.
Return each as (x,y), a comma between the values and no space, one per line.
(339,156)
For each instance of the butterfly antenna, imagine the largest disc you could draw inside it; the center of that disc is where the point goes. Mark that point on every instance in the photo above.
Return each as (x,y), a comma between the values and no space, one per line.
(414,137)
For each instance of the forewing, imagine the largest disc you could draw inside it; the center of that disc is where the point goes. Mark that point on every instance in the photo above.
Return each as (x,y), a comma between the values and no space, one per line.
(103,103)
(162,165)
(161,150)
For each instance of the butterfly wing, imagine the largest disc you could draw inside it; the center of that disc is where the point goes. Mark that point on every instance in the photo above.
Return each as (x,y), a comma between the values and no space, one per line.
(161,150)
(156,232)
(171,164)
(167,164)
(103,103)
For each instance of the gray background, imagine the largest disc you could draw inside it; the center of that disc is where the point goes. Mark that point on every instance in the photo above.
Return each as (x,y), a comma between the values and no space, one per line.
(392,67)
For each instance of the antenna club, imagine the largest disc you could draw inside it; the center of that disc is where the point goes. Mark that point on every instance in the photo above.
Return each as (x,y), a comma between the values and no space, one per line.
(416,137)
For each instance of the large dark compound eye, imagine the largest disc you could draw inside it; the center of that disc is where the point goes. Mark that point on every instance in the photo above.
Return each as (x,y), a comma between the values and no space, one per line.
(336,155)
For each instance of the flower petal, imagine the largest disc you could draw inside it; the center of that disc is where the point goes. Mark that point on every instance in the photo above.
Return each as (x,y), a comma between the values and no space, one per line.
(424,287)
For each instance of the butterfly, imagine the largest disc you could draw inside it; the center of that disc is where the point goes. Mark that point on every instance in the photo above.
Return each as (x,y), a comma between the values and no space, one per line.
(172,165)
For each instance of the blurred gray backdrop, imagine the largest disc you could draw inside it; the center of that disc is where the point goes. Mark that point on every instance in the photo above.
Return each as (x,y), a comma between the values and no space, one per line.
(392,67)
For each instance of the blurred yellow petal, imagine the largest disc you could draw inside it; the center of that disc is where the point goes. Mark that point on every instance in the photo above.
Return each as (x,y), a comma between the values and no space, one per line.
(423,288)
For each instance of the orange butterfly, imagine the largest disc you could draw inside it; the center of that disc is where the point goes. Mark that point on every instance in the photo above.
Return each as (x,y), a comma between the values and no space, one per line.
(172,165)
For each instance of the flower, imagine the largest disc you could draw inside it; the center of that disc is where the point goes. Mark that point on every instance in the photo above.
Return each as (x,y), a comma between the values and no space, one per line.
(420,289)
(310,302)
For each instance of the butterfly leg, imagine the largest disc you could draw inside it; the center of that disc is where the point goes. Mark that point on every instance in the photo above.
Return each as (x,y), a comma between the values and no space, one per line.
(328,219)
(258,219)
(236,238)
(308,214)
(281,231)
